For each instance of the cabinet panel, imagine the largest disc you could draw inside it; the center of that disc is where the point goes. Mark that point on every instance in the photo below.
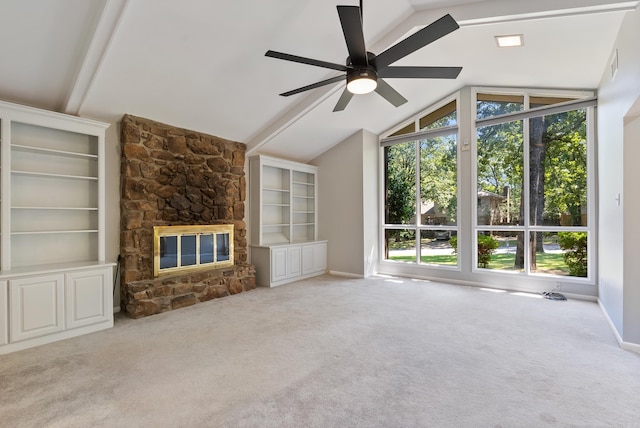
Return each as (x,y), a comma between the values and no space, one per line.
(279,258)
(87,297)
(4,313)
(314,258)
(295,261)
(36,306)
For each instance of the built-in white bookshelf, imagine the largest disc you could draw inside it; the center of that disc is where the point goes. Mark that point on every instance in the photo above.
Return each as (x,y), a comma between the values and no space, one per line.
(283,221)
(52,246)
(283,200)
(54,195)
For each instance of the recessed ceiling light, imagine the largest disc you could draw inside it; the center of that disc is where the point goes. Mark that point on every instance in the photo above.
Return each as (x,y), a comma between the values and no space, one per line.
(510,41)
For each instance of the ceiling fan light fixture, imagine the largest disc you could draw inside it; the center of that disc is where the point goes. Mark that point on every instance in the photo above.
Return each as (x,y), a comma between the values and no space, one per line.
(362,81)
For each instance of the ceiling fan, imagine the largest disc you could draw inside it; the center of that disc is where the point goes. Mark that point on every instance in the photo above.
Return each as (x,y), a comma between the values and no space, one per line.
(364,70)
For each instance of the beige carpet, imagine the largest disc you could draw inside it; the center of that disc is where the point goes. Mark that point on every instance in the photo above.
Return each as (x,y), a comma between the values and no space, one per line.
(335,352)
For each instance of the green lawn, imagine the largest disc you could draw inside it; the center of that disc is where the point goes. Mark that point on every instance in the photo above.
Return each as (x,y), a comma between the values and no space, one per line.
(546,263)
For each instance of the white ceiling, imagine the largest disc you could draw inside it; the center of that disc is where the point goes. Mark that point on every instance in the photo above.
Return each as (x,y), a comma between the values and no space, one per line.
(200,64)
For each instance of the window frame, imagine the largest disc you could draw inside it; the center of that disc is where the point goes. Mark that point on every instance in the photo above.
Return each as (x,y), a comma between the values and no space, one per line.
(388,139)
(583,98)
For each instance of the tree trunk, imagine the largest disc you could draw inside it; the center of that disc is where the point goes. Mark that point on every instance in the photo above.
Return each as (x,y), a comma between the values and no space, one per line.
(537,149)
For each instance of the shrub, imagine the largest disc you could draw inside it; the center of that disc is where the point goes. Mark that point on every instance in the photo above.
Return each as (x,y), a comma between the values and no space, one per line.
(486,246)
(575,246)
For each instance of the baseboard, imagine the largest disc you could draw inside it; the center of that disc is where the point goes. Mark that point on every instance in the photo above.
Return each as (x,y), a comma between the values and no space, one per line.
(627,346)
(346,274)
(579,297)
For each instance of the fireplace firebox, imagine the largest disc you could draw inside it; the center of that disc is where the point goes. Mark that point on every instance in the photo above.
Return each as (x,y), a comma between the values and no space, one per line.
(188,248)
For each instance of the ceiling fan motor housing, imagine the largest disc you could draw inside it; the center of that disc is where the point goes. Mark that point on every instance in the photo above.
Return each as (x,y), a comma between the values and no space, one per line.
(366,78)
(362,73)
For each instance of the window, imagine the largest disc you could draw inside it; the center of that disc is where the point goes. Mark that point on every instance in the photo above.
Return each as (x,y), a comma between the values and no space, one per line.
(192,247)
(532,179)
(421,197)
(512,205)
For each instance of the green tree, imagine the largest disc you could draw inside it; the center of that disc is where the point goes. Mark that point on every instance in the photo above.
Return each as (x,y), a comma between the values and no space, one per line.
(438,174)
(400,181)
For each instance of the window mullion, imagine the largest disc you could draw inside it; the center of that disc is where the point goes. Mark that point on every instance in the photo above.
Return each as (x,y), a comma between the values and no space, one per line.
(418,201)
(526,189)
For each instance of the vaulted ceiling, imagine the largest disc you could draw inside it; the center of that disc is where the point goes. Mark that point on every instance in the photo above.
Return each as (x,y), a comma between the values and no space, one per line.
(200,64)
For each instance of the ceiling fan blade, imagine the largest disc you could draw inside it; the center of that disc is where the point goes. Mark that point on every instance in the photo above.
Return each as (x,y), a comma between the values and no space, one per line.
(343,101)
(303,60)
(422,38)
(421,72)
(314,85)
(390,94)
(353,34)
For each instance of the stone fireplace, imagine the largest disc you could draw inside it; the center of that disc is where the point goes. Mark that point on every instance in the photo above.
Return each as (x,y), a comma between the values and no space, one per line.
(176,177)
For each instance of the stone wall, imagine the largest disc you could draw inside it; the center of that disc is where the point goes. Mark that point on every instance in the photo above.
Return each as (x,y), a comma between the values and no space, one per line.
(173,176)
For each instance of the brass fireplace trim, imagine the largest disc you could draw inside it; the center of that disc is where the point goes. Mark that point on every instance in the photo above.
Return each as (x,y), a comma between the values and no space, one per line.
(197,230)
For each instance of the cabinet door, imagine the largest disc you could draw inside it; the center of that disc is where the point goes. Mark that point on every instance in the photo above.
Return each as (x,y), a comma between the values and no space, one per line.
(88,297)
(320,257)
(4,314)
(295,262)
(279,259)
(314,258)
(36,306)
(307,259)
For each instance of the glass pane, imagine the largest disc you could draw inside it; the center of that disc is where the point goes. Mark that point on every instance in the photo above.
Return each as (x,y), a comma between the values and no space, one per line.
(490,105)
(438,247)
(558,169)
(188,250)
(206,248)
(400,183)
(500,173)
(559,253)
(222,247)
(438,181)
(168,252)
(410,128)
(400,245)
(501,251)
(542,101)
(442,117)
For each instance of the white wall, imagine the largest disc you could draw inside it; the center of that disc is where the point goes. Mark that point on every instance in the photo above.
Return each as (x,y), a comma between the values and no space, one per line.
(370,192)
(112,199)
(617,230)
(347,211)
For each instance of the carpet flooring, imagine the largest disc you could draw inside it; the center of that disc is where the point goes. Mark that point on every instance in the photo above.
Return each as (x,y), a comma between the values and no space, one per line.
(336,352)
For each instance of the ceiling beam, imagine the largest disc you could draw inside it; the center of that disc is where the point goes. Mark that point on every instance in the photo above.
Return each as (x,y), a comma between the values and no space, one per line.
(103,35)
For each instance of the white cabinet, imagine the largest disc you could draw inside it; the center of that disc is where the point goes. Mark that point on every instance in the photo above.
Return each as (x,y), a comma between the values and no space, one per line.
(46,306)
(87,297)
(286,262)
(314,258)
(52,225)
(36,306)
(281,264)
(283,221)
